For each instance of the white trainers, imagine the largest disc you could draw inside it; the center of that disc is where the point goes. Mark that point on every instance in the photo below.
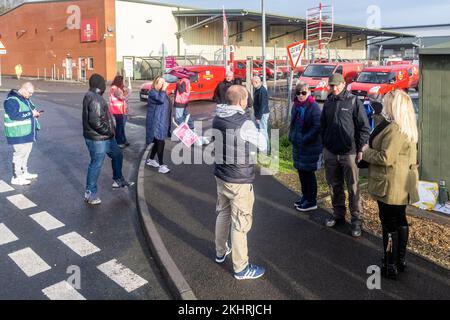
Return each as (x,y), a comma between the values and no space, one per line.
(163,169)
(152,163)
(20,181)
(29,176)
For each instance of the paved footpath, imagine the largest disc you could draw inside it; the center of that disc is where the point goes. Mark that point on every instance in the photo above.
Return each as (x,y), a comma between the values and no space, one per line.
(48,235)
(303,259)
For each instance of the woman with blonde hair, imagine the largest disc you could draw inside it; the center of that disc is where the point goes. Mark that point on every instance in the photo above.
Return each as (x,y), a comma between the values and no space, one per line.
(393,176)
(158,122)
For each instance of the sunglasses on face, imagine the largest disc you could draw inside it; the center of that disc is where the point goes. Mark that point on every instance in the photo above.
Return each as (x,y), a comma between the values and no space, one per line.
(303,93)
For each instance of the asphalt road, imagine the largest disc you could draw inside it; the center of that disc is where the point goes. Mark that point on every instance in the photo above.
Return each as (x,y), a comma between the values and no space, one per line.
(303,258)
(104,243)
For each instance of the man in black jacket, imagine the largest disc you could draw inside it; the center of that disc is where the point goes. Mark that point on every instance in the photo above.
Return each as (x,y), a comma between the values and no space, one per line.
(261,106)
(98,132)
(222,87)
(345,130)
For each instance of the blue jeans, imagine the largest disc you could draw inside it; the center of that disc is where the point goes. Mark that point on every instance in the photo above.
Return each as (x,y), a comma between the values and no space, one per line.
(264,127)
(98,150)
(180,116)
(121,120)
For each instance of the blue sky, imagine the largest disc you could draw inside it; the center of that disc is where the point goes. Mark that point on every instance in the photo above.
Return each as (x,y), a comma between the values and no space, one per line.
(393,13)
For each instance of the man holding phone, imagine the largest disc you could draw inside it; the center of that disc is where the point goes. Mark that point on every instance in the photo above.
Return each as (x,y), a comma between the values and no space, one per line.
(21,126)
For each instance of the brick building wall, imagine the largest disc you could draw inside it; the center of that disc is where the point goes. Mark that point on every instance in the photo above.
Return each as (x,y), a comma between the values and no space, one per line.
(46,36)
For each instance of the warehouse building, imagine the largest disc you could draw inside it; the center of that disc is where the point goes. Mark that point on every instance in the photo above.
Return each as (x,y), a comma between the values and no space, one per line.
(73,39)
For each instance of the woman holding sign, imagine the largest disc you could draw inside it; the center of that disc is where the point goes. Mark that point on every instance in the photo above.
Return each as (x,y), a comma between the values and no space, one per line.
(158,122)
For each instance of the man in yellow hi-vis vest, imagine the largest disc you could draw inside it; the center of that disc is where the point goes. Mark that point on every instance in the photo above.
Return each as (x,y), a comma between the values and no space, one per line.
(21,125)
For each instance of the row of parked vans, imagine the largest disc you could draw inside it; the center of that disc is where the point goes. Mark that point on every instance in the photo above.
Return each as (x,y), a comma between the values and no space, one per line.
(361,81)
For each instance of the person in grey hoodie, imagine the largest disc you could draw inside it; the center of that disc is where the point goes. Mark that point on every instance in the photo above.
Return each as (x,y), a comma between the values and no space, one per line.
(236,141)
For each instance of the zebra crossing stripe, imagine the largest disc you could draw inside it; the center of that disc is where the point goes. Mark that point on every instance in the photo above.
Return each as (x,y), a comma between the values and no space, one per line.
(78,244)
(6,235)
(62,291)
(47,221)
(21,202)
(4,187)
(29,262)
(121,275)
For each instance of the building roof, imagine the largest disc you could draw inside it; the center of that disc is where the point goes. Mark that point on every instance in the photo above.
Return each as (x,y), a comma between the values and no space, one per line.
(280,20)
(416,41)
(418,27)
(443,48)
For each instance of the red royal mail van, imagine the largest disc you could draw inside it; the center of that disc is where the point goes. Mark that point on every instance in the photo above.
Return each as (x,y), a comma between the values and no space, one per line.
(380,80)
(204,80)
(317,74)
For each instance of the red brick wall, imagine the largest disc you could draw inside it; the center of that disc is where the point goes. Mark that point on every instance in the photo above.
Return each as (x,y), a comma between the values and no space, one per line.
(47,40)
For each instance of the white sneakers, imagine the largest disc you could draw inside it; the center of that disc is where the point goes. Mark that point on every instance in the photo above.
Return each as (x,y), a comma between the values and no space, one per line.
(161,168)
(24,179)
(20,181)
(29,176)
(152,163)
(202,141)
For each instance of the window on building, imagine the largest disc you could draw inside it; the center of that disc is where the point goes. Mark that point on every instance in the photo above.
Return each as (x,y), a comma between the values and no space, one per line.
(90,63)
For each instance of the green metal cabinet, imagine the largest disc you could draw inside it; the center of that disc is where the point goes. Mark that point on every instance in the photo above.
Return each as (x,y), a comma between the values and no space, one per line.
(434,114)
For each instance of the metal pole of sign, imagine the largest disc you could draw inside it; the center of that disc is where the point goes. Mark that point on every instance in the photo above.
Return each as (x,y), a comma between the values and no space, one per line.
(163,59)
(263,10)
(275,67)
(291,80)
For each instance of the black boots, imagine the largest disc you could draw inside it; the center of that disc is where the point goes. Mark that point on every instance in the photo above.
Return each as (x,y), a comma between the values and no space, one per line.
(403,233)
(390,248)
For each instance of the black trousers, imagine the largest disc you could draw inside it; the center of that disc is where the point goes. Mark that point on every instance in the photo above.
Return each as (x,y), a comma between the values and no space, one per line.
(121,120)
(308,182)
(392,216)
(158,148)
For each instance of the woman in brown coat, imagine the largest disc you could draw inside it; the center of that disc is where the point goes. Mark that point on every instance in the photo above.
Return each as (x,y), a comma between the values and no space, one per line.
(393,176)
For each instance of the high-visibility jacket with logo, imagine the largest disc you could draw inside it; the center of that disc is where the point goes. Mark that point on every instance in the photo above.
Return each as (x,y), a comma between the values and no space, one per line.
(183,98)
(17,129)
(116,105)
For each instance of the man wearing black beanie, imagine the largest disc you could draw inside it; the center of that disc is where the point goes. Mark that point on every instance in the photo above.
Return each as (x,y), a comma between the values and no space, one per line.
(98,132)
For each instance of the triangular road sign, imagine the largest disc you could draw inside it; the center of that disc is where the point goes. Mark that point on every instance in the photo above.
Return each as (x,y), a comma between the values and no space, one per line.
(295,51)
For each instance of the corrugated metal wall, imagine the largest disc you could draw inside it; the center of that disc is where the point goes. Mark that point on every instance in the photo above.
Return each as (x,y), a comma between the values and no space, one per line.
(435,118)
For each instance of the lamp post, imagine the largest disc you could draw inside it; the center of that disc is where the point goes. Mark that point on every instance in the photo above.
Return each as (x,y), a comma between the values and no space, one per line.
(263,10)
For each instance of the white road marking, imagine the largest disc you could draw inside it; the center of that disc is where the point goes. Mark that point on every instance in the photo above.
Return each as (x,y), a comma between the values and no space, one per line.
(6,235)
(29,262)
(47,221)
(121,275)
(78,244)
(4,187)
(21,202)
(62,291)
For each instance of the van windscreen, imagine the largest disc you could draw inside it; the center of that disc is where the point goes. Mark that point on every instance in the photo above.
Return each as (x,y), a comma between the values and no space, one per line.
(320,71)
(374,77)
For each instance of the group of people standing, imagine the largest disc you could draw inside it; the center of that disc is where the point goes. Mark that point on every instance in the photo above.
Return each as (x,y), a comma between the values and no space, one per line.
(337,135)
